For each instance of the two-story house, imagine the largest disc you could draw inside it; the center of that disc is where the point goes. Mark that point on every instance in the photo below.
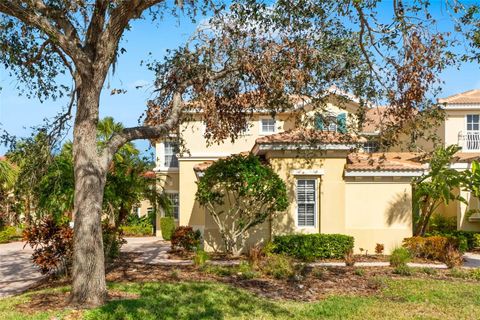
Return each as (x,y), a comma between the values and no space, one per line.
(336,181)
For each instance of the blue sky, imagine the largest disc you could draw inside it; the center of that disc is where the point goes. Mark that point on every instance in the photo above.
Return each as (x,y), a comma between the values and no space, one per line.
(18,114)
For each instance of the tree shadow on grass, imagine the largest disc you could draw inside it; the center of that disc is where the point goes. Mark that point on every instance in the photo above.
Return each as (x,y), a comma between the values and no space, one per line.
(188,301)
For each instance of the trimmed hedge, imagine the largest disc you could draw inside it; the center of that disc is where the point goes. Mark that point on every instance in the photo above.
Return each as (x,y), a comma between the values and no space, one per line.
(137,231)
(167,226)
(467,240)
(309,247)
(8,234)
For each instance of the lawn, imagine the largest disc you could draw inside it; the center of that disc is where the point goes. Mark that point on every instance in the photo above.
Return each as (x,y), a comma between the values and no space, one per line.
(398,299)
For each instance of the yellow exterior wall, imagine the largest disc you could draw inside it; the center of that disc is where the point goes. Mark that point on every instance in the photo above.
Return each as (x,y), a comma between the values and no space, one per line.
(378,210)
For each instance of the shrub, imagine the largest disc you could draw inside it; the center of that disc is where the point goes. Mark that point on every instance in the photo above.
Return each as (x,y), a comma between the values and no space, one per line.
(400,257)
(201,257)
(185,238)
(246,271)
(137,231)
(112,242)
(278,266)
(434,247)
(255,255)
(429,271)
(359,272)
(8,234)
(52,245)
(403,270)
(167,226)
(475,274)
(379,248)
(309,247)
(452,258)
(459,273)
(467,240)
(349,259)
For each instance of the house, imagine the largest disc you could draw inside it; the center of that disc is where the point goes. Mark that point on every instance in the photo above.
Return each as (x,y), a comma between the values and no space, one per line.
(337,181)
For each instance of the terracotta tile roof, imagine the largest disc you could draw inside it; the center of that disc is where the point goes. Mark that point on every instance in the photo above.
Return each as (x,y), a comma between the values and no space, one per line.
(306,136)
(472,96)
(373,117)
(388,161)
(149,174)
(202,166)
(466,157)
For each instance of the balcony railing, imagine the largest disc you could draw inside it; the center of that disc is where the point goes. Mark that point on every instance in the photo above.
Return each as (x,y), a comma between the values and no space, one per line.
(469,141)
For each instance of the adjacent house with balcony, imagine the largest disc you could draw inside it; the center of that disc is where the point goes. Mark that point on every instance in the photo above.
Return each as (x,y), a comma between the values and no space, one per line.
(337,181)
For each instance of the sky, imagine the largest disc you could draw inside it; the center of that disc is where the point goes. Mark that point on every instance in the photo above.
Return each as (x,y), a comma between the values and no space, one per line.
(18,114)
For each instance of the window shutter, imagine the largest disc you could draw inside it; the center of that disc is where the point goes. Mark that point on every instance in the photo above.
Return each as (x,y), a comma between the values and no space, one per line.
(319,125)
(342,123)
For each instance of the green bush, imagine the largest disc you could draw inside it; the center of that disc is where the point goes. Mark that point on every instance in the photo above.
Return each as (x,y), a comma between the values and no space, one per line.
(8,234)
(167,226)
(278,266)
(201,257)
(403,270)
(309,247)
(400,257)
(246,271)
(137,231)
(467,240)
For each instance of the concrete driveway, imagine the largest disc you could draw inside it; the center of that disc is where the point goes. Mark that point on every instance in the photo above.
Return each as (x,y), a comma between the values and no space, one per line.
(17,272)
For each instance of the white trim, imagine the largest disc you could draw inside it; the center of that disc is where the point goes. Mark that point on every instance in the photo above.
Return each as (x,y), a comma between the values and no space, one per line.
(260,126)
(173,192)
(385,173)
(308,172)
(165,169)
(319,146)
(315,205)
(462,106)
(460,165)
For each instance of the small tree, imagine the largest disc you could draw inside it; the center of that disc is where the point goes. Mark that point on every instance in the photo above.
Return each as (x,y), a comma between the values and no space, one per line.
(435,187)
(239,192)
(471,182)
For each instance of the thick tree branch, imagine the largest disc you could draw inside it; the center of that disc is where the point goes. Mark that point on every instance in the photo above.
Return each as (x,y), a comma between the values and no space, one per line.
(144,132)
(68,42)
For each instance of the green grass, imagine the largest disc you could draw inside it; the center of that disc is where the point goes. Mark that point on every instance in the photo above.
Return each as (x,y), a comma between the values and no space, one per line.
(399,299)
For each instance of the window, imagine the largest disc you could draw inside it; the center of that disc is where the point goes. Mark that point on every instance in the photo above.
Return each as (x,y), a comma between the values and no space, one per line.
(370,146)
(306,202)
(267,126)
(170,155)
(329,122)
(149,211)
(473,122)
(175,204)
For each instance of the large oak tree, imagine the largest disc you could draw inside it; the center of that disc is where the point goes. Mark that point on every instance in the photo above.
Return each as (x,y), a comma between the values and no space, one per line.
(253,55)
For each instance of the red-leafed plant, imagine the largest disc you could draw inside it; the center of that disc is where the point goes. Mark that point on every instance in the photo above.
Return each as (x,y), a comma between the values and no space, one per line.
(52,243)
(185,238)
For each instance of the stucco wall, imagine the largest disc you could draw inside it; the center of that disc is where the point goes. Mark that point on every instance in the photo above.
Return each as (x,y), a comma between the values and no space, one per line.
(378,211)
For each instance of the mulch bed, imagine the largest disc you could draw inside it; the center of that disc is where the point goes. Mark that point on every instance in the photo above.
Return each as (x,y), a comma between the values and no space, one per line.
(315,284)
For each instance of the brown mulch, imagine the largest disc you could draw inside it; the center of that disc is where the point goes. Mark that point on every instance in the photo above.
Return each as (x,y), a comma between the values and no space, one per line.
(314,284)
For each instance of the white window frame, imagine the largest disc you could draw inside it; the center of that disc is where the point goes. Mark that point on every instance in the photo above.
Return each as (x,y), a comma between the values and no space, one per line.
(170,193)
(262,132)
(467,122)
(315,205)
(162,158)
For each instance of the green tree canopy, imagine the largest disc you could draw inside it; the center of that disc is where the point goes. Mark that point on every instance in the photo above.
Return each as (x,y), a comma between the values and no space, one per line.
(240,192)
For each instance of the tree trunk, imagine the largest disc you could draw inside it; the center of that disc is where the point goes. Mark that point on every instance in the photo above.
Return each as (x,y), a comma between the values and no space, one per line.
(88,287)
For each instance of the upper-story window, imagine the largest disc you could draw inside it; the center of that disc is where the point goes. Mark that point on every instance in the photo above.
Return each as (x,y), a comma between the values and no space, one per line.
(329,122)
(371,146)
(473,122)
(170,159)
(267,126)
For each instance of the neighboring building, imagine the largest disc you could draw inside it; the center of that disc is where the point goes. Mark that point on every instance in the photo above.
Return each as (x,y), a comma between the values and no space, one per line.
(332,189)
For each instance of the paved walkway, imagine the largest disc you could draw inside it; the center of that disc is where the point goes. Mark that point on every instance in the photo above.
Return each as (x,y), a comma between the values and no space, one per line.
(17,272)
(152,250)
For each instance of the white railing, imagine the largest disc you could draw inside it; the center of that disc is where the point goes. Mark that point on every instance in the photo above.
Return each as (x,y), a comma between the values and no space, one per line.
(469,141)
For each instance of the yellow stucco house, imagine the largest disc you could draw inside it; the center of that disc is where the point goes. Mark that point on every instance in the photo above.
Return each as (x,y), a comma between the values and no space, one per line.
(336,181)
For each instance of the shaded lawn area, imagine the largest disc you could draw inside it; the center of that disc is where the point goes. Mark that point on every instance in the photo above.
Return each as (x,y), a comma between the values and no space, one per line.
(398,299)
